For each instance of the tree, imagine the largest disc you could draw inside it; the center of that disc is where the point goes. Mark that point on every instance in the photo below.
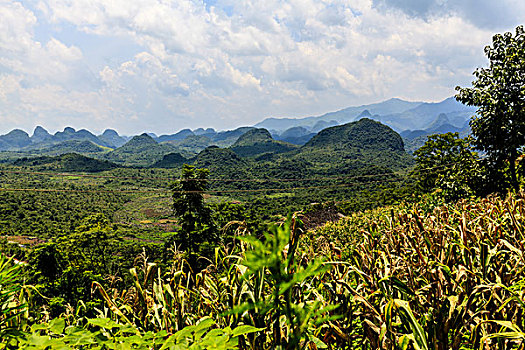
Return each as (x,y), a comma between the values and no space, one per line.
(447,162)
(499,94)
(197,226)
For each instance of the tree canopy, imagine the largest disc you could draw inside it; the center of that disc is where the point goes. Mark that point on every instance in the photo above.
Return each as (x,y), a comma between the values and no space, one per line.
(447,162)
(197,226)
(499,94)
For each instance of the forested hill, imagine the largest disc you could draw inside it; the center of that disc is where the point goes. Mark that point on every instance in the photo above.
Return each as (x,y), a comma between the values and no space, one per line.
(260,141)
(332,150)
(69,162)
(363,134)
(140,150)
(364,141)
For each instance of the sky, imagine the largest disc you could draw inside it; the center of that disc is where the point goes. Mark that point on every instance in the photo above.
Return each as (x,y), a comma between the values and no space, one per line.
(165,65)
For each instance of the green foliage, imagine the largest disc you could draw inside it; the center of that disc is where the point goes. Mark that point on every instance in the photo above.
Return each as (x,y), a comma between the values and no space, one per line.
(266,286)
(141,150)
(420,276)
(499,94)
(104,333)
(275,256)
(429,277)
(51,214)
(197,226)
(69,162)
(13,307)
(65,267)
(448,163)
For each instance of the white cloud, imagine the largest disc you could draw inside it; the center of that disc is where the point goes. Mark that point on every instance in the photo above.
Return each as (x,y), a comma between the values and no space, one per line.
(235,62)
(483,13)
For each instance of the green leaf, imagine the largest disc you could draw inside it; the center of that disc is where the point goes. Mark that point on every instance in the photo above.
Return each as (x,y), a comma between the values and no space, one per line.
(245,329)
(202,327)
(318,342)
(106,323)
(509,325)
(57,325)
(406,314)
(404,341)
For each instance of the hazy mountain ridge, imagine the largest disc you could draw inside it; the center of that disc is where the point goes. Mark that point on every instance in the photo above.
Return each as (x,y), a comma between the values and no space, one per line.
(414,120)
(398,114)
(414,139)
(41,138)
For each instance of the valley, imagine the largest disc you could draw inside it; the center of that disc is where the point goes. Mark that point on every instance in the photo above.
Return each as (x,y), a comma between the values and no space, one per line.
(253,237)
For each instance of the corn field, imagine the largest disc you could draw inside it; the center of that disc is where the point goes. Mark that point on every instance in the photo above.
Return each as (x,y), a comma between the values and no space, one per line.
(406,277)
(447,278)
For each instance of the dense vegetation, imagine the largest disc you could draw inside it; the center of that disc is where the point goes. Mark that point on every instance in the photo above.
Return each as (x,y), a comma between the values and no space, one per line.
(408,253)
(421,276)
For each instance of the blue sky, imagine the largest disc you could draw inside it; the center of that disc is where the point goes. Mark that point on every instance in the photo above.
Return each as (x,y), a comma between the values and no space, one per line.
(165,65)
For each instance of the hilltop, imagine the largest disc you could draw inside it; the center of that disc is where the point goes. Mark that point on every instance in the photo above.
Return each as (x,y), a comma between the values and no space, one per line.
(140,151)
(259,141)
(365,141)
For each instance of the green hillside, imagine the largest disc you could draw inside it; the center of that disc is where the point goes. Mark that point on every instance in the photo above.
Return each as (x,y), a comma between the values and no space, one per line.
(112,138)
(259,141)
(366,140)
(253,136)
(86,148)
(70,162)
(222,163)
(71,146)
(192,144)
(14,139)
(141,150)
(364,133)
(171,160)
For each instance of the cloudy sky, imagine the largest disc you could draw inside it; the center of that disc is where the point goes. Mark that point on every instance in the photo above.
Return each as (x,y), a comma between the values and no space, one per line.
(165,65)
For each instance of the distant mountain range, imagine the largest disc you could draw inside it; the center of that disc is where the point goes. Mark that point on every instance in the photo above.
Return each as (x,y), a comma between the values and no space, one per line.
(413,120)
(400,115)
(360,147)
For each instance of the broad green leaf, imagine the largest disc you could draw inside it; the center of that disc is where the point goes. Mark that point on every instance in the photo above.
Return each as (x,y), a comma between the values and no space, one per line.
(106,323)
(57,325)
(406,314)
(202,327)
(245,329)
